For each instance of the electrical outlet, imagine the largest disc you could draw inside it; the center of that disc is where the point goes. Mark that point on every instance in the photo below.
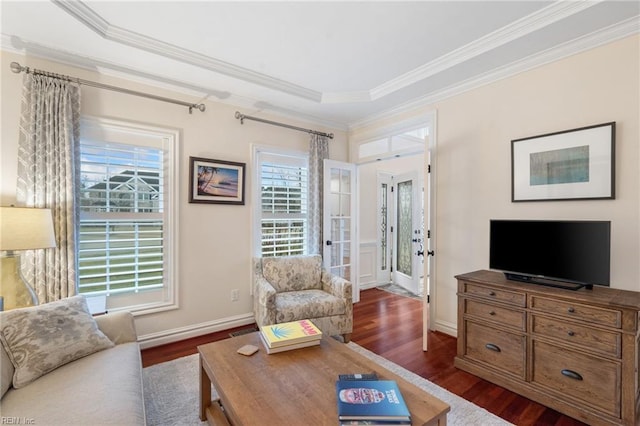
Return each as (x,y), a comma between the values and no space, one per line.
(235,295)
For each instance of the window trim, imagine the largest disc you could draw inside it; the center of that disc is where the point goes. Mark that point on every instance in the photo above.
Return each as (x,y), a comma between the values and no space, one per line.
(171,143)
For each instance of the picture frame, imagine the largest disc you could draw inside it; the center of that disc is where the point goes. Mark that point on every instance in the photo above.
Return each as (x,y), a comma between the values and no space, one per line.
(216,181)
(575,164)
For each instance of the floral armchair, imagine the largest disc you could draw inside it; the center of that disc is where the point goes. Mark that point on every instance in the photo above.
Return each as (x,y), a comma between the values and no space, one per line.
(291,288)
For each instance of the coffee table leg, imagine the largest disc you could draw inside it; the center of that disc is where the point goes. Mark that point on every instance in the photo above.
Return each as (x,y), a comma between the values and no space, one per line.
(205,391)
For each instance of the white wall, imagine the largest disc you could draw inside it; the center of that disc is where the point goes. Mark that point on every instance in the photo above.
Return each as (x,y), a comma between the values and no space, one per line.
(472,164)
(214,247)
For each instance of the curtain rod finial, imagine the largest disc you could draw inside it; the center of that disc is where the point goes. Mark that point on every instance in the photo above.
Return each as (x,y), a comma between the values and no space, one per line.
(16,67)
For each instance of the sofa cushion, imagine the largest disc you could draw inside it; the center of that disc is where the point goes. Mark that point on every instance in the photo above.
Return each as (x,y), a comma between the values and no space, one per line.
(42,338)
(293,273)
(104,388)
(297,305)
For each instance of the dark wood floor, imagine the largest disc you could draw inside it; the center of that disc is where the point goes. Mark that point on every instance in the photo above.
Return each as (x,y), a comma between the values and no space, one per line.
(391,326)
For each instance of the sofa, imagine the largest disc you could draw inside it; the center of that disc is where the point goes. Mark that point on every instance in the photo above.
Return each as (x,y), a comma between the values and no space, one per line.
(291,288)
(62,366)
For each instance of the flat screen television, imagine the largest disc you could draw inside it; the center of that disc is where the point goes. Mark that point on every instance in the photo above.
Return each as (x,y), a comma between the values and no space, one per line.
(566,254)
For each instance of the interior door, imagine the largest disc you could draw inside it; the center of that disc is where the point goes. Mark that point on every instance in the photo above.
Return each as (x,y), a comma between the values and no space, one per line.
(339,254)
(409,236)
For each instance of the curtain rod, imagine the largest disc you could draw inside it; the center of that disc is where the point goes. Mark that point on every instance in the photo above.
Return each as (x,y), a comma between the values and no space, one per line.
(243,117)
(17,68)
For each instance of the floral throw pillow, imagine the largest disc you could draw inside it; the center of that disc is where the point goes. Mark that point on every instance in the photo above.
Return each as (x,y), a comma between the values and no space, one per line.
(42,338)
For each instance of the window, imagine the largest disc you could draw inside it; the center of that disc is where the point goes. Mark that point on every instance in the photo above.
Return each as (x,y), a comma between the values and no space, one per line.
(127,180)
(282,212)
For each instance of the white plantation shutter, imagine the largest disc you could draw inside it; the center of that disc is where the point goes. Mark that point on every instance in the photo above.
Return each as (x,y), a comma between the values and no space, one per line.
(125,201)
(283,182)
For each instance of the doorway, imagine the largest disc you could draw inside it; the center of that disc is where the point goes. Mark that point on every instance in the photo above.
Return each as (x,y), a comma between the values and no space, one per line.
(384,157)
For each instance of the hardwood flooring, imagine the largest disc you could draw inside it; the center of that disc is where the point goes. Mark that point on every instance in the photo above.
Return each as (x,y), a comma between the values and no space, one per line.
(391,326)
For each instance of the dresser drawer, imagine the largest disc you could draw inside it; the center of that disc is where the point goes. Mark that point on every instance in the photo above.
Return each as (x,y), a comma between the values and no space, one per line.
(504,296)
(590,314)
(594,381)
(500,349)
(606,342)
(508,317)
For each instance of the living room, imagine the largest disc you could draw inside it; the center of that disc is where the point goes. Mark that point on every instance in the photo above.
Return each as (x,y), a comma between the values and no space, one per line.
(213,244)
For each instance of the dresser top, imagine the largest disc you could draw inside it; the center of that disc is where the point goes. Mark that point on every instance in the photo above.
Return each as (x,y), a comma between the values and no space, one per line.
(599,295)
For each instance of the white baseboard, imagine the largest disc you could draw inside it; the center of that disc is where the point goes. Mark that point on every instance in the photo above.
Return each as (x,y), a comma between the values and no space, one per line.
(176,334)
(446,328)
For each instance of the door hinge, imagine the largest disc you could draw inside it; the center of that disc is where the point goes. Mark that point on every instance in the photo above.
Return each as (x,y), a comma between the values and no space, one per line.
(392,189)
(428,233)
(428,298)
(391,228)
(429,168)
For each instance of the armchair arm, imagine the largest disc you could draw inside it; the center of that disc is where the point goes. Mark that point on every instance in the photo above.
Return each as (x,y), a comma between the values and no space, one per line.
(336,285)
(119,327)
(264,302)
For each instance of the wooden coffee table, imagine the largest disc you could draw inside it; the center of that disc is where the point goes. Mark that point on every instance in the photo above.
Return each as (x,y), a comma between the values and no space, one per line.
(293,387)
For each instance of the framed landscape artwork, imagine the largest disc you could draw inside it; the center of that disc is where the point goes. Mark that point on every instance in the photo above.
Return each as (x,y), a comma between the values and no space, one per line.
(568,165)
(216,181)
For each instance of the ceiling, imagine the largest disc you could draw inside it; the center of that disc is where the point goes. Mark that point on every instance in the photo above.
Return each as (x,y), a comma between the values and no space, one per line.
(338,64)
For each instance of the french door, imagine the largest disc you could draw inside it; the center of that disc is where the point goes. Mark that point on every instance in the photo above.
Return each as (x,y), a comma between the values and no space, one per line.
(340,220)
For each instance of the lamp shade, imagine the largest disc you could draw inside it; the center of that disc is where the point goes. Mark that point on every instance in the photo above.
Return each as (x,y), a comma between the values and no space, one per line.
(24,228)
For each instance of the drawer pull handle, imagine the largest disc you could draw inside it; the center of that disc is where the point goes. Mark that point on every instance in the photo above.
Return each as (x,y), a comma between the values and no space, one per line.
(571,310)
(492,313)
(492,293)
(492,347)
(571,374)
(571,333)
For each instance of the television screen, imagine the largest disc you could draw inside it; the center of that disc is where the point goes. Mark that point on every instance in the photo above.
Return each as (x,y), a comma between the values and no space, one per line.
(537,251)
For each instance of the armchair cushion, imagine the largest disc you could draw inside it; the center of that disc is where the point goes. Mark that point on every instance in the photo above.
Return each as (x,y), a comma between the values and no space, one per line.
(297,305)
(293,273)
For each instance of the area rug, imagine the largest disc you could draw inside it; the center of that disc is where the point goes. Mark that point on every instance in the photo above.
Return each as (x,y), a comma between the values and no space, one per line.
(399,290)
(171,393)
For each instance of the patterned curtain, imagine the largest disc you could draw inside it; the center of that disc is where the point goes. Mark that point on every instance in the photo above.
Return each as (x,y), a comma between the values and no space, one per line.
(318,151)
(48,158)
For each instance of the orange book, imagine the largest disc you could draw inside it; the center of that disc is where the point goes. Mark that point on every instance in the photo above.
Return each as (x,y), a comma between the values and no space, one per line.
(289,333)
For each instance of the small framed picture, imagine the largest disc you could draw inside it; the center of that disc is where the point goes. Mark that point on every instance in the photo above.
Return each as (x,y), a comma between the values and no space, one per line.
(216,181)
(576,164)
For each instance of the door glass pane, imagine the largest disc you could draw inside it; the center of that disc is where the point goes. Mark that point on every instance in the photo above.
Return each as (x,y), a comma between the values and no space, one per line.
(404,226)
(345,182)
(335,180)
(345,205)
(335,205)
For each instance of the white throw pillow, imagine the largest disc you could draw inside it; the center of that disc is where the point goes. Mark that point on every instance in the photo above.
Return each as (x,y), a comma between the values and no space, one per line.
(42,338)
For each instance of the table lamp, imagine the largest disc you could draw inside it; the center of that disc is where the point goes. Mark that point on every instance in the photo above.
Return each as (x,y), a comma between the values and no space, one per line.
(21,228)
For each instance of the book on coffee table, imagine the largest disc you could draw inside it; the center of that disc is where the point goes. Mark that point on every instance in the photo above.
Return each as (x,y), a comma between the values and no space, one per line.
(289,333)
(288,347)
(371,400)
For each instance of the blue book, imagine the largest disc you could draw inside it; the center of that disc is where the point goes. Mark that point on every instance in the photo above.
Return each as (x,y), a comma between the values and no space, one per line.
(371,400)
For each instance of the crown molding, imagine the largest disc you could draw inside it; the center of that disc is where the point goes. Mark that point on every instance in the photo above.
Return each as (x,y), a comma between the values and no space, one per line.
(104,29)
(607,35)
(523,26)
(530,23)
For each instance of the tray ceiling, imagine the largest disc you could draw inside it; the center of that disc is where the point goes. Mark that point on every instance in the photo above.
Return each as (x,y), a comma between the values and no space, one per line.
(339,64)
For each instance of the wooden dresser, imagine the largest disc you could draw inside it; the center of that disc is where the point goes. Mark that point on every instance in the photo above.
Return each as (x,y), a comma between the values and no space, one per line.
(574,351)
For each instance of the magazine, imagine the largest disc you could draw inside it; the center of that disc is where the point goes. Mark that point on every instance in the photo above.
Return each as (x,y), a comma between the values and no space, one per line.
(378,400)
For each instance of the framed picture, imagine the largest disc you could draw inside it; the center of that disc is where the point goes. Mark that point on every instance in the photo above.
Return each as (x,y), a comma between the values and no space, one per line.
(568,165)
(216,181)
